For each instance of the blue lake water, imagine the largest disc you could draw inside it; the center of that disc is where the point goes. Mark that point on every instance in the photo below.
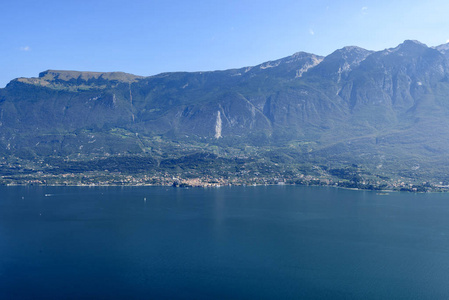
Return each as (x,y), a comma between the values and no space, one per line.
(274,242)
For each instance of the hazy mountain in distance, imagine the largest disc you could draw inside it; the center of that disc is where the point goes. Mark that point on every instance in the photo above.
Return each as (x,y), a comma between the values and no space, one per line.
(385,110)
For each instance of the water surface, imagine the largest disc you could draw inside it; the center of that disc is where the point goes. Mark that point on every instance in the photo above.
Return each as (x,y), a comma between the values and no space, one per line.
(275,242)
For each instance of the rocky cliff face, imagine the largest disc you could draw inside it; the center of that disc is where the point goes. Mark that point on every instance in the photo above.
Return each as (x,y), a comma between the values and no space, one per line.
(354,105)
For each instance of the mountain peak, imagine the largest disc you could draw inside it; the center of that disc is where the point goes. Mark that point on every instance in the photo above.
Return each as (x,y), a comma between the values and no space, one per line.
(413,42)
(408,45)
(350,53)
(352,49)
(61,79)
(408,48)
(342,61)
(69,75)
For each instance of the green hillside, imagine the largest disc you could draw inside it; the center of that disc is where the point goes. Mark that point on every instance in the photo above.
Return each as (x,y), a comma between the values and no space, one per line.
(356,117)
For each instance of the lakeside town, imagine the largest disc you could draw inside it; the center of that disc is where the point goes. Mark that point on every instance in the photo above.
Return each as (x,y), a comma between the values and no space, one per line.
(205,181)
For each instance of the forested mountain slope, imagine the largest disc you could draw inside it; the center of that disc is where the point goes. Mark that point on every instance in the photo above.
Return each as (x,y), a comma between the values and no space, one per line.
(384,112)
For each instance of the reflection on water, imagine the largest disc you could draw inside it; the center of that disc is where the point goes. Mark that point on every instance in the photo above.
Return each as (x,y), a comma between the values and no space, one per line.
(232,243)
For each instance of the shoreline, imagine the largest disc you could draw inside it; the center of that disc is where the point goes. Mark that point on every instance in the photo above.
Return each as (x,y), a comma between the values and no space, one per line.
(380,192)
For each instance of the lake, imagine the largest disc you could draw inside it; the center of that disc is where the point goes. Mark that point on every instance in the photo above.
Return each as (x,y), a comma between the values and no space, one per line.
(266,242)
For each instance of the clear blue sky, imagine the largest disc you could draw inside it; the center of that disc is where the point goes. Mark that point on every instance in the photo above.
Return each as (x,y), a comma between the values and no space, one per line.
(154,36)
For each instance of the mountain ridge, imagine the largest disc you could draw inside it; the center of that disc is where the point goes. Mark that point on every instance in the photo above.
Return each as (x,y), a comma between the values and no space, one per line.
(385,111)
(70,74)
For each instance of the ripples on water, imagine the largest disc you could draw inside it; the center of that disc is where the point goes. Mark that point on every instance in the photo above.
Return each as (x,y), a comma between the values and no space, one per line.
(231,243)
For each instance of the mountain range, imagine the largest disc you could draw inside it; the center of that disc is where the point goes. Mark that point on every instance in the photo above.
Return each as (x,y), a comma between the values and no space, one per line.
(384,112)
